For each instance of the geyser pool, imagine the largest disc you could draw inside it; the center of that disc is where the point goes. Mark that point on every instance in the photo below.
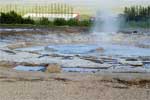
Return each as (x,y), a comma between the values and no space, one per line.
(109,49)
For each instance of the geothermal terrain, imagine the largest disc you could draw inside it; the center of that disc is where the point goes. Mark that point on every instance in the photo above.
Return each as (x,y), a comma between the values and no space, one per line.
(86,65)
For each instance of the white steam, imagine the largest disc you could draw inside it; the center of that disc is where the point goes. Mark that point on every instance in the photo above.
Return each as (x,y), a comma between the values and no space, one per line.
(106,21)
(106,18)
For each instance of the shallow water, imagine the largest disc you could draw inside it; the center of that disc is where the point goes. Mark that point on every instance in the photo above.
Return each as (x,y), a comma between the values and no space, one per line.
(29,68)
(80,70)
(109,49)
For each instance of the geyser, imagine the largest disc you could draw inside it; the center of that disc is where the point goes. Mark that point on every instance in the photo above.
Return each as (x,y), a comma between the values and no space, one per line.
(106,25)
(107,21)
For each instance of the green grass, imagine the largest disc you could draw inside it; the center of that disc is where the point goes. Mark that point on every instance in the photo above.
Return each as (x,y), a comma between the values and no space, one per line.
(37,26)
(17,25)
(134,24)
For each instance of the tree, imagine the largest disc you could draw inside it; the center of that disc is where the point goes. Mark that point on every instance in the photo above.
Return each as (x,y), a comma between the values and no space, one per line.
(13,18)
(137,13)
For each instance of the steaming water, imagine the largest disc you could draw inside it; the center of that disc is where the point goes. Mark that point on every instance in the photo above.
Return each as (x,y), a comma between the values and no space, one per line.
(109,49)
(73,49)
(106,24)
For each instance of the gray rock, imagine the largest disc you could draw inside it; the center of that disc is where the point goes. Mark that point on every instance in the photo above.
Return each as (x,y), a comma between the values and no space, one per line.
(93,59)
(8,51)
(128,69)
(130,62)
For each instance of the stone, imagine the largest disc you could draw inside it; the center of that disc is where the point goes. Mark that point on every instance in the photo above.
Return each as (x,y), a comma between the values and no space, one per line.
(7,64)
(44,55)
(132,62)
(130,70)
(8,51)
(131,59)
(93,59)
(119,86)
(29,64)
(99,49)
(105,66)
(19,45)
(50,49)
(53,68)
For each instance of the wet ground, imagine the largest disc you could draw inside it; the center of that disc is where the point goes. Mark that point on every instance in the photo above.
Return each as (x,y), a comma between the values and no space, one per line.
(94,67)
(80,52)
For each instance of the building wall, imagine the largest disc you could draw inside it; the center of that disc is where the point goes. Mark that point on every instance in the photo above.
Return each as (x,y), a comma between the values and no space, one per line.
(51,16)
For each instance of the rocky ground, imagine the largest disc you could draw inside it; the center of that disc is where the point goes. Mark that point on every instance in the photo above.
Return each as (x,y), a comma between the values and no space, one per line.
(16,85)
(13,42)
(115,77)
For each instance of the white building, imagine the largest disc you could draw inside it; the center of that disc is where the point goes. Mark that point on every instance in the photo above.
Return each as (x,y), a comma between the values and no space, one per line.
(51,16)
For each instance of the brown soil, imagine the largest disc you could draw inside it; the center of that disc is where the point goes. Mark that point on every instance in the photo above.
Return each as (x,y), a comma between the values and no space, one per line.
(16,85)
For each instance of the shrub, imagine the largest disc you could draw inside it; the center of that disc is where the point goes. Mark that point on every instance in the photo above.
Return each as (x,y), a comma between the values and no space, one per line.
(14,18)
(28,21)
(60,22)
(43,21)
(85,23)
(135,24)
(73,22)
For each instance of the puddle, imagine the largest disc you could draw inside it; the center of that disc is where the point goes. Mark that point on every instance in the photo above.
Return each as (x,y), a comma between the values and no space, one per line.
(147,65)
(30,68)
(80,70)
(30,49)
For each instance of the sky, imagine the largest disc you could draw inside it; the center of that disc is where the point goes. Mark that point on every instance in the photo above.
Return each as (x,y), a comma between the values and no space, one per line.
(95,3)
(83,1)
